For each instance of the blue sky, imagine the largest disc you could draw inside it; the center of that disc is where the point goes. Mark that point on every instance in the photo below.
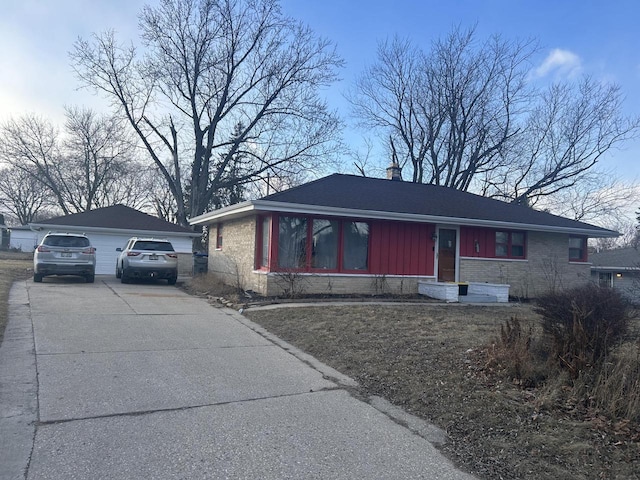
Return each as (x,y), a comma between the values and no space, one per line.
(598,38)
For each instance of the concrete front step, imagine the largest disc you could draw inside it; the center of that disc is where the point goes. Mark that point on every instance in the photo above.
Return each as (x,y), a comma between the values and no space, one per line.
(476,298)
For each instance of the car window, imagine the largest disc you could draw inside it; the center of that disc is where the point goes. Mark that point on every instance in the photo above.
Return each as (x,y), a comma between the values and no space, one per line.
(153,246)
(64,241)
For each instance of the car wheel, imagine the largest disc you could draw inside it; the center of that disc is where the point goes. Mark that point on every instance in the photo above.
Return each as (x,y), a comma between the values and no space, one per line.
(37,277)
(172,280)
(90,278)
(118,272)
(124,277)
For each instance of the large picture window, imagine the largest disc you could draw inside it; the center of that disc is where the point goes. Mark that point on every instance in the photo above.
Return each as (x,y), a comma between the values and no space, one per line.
(292,242)
(510,244)
(325,244)
(356,246)
(317,244)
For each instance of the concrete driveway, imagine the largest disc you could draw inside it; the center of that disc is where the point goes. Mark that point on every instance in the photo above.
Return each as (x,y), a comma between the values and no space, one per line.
(112,381)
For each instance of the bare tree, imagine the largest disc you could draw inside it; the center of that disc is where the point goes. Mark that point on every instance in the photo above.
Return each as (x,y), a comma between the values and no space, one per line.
(450,111)
(90,164)
(22,195)
(209,67)
(566,134)
(466,115)
(32,145)
(594,197)
(98,157)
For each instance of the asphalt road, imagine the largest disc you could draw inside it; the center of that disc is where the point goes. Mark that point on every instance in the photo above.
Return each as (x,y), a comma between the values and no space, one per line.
(142,381)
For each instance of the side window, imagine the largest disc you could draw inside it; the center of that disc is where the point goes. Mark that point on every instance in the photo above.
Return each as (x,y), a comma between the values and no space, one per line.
(219,237)
(265,227)
(502,244)
(517,244)
(577,249)
(510,244)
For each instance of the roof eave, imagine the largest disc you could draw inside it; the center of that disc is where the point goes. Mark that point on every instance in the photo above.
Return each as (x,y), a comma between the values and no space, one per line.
(125,231)
(614,268)
(232,211)
(245,208)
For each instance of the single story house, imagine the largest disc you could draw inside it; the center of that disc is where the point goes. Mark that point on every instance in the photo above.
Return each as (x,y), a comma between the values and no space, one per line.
(23,238)
(4,235)
(350,234)
(619,269)
(109,228)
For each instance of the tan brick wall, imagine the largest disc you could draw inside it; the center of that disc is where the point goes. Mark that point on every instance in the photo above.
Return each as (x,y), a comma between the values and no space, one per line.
(233,263)
(336,284)
(547,266)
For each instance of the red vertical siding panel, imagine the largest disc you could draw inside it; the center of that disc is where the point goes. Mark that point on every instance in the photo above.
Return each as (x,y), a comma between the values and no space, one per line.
(414,259)
(374,244)
(409,259)
(399,248)
(465,234)
(383,242)
(425,250)
(383,245)
(396,233)
(422,250)
(402,247)
(393,249)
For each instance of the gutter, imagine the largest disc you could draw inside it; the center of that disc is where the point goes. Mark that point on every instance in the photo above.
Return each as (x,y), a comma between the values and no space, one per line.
(617,269)
(248,207)
(126,231)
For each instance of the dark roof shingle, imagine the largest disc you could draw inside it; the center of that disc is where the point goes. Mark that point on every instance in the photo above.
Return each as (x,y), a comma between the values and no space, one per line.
(360,193)
(627,257)
(116,217)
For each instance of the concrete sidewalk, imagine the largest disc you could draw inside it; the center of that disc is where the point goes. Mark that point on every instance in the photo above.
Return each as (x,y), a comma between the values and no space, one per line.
(112,381)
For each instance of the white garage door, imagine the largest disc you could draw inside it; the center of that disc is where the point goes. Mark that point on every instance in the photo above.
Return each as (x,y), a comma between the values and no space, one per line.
(106,254)
(106,245)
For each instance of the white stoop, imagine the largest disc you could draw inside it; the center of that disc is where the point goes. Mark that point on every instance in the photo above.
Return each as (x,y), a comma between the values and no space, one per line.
(476,298)
(476,292)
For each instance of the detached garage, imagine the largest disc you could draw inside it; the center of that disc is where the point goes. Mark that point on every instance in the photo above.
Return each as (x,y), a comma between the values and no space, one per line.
(109,228)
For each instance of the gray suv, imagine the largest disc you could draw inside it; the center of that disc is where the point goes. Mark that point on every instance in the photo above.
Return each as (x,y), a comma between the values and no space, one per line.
(64,254)
(147,258)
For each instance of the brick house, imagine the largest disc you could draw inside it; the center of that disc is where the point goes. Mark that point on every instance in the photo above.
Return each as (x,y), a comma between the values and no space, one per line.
(350,234)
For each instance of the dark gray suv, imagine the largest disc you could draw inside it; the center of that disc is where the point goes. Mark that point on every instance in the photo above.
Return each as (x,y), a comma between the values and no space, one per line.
(64,254)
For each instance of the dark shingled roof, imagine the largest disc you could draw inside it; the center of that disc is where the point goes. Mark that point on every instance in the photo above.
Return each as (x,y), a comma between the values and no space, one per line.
(117,217)
(627,257)
(360,193)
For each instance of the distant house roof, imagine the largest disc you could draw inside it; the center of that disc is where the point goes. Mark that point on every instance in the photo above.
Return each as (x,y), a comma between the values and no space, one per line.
(116,217)
(353,196)
(618,259)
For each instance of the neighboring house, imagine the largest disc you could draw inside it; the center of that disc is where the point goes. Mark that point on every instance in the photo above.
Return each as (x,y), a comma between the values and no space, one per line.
(349,234)
(4,235)
(619,269)
(109,228)
(23,238)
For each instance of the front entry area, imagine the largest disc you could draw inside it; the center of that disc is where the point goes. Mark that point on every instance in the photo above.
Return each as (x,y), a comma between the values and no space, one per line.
(447,245)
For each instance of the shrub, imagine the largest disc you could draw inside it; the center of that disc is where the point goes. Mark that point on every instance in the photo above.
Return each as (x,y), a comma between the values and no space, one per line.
(582,323)
(617,387)
(516,354)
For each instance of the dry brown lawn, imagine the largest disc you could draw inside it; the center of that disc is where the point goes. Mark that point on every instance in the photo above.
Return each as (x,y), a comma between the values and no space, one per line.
(13,266)
(432,361)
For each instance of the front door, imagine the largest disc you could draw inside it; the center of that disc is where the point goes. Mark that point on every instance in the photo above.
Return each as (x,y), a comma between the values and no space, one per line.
(446,255)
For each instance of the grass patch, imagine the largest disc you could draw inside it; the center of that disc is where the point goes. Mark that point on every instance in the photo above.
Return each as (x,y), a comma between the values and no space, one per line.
(13,266)
(433,361)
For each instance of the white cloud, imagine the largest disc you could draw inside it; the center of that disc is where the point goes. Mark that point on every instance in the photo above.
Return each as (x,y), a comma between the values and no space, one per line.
(563,63)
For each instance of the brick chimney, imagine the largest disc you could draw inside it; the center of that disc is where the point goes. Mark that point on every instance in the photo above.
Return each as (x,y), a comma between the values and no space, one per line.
(394,172)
